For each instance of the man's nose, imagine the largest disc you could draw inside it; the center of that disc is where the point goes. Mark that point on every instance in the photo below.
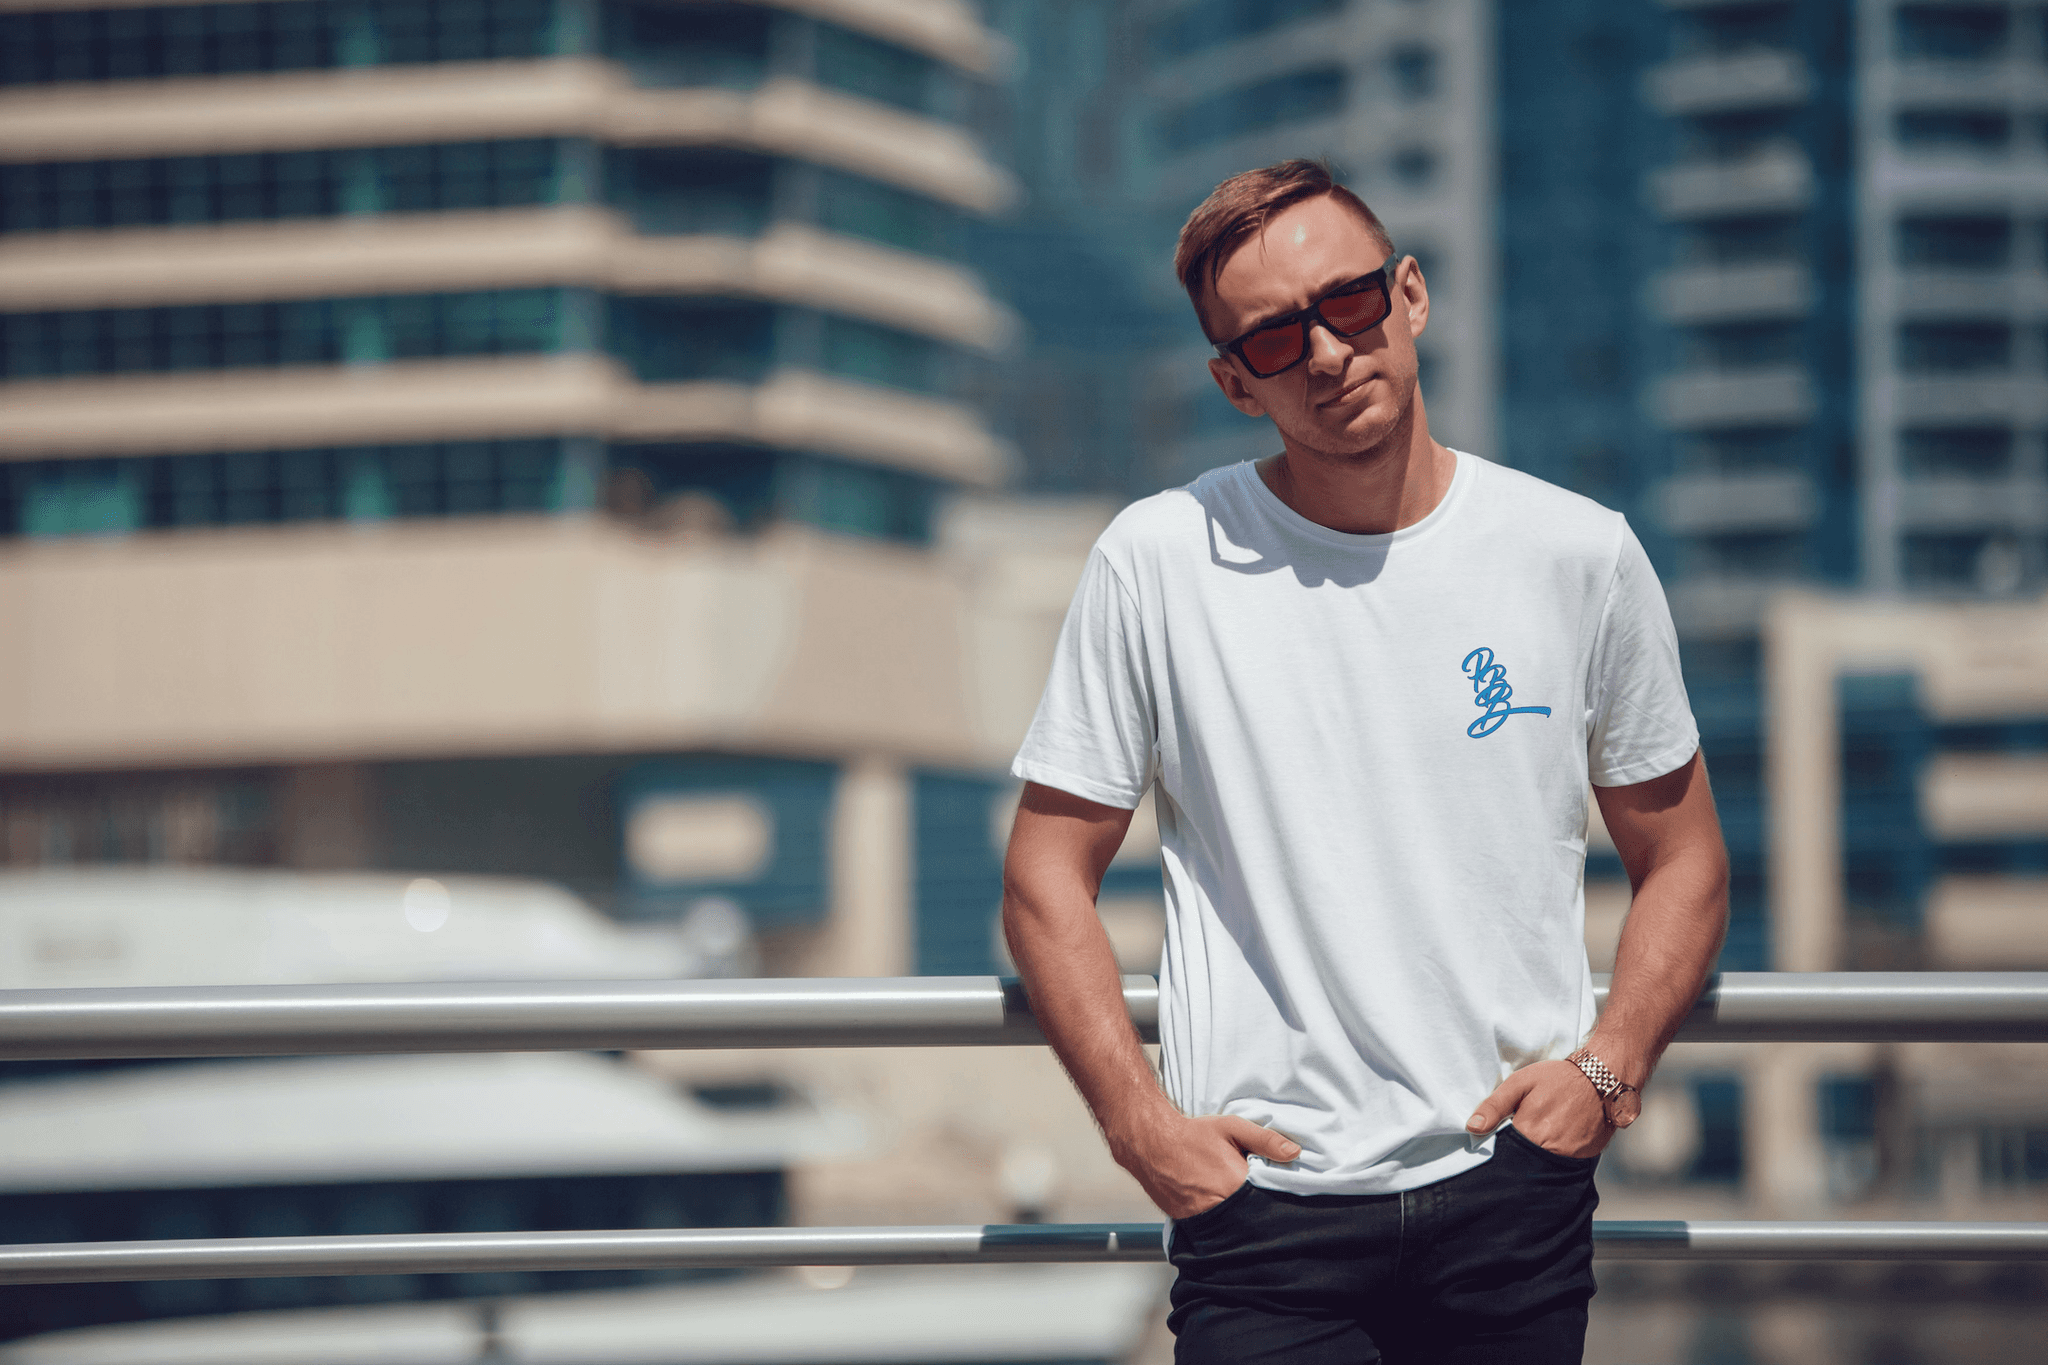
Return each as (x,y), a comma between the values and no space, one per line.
(1327,352)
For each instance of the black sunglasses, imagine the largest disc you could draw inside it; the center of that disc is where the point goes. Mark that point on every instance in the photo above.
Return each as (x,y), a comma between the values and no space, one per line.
(1282,343)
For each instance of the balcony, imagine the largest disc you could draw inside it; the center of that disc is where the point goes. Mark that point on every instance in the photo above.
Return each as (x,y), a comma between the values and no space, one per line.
(1777,180)
(558,97)
(1994,398)
(1950,504)
(1716,504)
(507,248)
(1934,292)
(1729,83)
(1733,293)
(1705,400)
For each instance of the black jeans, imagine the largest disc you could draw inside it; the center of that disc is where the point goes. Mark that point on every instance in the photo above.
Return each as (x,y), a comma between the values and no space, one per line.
(1491,1267)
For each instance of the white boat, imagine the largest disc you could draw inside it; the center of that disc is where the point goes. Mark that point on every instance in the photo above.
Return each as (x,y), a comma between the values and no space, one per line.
(154,926)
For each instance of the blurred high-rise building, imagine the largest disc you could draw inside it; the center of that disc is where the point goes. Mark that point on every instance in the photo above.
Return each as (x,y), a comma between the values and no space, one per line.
(1772,285)
(1398,97)
(533,436)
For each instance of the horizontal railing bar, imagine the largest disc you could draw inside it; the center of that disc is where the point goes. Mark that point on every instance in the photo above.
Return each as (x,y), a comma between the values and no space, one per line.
(1660,1240)
(668,1249)
(253,1021)
(249,1021)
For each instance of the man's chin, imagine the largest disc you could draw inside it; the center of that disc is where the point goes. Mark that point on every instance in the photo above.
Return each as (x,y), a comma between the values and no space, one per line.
(1359,432)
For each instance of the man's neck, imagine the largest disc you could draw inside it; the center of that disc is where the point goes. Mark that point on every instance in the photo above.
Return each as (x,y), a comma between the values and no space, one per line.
(1394,484)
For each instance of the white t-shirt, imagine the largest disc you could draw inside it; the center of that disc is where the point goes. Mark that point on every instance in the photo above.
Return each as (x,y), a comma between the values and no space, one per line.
(1372,754)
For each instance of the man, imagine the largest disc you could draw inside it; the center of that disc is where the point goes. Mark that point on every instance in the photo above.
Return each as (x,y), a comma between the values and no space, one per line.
(1371,678)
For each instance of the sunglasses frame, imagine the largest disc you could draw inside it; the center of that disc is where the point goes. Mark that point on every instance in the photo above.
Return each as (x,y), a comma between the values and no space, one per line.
(1381,280)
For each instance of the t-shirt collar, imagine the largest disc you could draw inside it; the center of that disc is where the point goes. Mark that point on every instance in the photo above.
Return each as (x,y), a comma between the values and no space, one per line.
(1461,477)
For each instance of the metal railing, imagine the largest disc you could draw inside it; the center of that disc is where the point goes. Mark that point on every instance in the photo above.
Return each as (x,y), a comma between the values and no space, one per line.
(937,1011)
(673,1248)
(922,1011)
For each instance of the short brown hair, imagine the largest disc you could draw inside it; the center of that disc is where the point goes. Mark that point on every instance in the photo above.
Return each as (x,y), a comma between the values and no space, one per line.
(1241,207)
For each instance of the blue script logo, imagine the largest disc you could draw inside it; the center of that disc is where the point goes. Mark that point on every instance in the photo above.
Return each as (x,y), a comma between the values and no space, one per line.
(1490,690)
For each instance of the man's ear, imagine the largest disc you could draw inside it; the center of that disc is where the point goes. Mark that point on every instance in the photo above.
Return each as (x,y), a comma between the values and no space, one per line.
(1416,293)
(1232,384)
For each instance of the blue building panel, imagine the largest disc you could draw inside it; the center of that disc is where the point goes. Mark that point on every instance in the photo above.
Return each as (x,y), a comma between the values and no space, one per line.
(958,881)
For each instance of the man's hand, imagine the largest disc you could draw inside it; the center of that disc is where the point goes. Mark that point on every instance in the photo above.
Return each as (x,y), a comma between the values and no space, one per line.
(1554,1106)
(1189,1166)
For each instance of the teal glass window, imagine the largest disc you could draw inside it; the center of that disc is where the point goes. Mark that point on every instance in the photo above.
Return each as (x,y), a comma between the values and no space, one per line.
(99,497)
(294,332)
(855,499)
(145,192)
(875,70)
(685,45)
(668,339)
(690,190)
(258,487)
(854,348)
(860,207)
(287,35)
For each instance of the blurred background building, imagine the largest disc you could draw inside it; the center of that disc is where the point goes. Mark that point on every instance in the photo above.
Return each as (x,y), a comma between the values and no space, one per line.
(646,446)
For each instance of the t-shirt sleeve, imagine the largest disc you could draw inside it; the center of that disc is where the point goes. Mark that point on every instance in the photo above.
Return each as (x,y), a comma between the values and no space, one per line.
(1096,725)
(1642,723)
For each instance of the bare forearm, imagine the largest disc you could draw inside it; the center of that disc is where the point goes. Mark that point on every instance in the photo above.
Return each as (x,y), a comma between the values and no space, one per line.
(1076,992)
(1668,946)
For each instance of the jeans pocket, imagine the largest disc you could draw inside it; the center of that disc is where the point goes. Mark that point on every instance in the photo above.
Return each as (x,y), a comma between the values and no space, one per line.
(1209,1214)
(1207,1232)
(1514,1137)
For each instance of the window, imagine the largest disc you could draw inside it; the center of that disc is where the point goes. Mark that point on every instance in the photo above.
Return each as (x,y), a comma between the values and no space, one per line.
(79,498)
(1709,30)
(1974,243)
(259,487)
(855,499)
(1414,70)
(689,190)
(666,340)
(1211,23)
(296,332)
(1957,452)
(681,45)
(741,479)
(281,35)
(1742,451)
(1972,129)
(1954,347)
(1273,103)
(882,213)
(1951,32)
(1747,346)
(873,69)
(1943,562)
(55,196)
(857,349)
(1736,241)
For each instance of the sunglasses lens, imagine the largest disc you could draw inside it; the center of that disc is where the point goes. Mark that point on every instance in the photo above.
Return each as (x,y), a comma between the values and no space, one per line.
(1273,349)
(1353,313)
